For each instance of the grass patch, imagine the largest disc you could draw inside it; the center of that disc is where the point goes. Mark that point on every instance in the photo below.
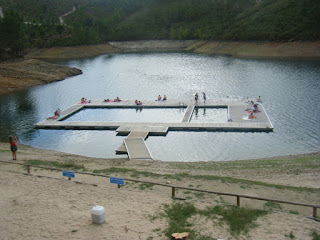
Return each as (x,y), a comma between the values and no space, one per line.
(291,236)
(177,216)
(240,220)
(67,165)
(272,206)
(293,212)
(315,236)
(248,183)
(198,194)
(144,186)
(2,150)
(291,163)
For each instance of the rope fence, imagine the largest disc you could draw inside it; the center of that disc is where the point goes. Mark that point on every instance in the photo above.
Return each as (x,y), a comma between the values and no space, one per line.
(173,188)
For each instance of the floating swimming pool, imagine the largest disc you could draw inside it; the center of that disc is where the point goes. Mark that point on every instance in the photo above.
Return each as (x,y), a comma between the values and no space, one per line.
(165,115)
(128,115)
(211,115)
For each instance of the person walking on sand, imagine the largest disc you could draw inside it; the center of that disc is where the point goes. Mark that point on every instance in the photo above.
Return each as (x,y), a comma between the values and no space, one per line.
(13,147)
(204,97)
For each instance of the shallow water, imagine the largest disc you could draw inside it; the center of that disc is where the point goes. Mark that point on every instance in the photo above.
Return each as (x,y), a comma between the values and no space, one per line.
(289,90)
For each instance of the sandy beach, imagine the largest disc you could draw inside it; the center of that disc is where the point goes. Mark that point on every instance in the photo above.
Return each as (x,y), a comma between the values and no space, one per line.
(46,205)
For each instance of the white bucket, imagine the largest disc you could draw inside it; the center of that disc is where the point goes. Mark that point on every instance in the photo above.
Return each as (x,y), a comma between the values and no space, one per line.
(98,214)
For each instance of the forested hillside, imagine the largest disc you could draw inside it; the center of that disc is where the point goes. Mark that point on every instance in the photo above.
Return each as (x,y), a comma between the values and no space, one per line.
(34,23)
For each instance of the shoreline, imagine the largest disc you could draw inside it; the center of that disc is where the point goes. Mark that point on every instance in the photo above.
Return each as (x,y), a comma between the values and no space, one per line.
(257,50)
(205,166)
(16,76)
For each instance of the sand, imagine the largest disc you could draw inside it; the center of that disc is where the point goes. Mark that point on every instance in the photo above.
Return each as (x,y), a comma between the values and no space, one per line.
(52,207)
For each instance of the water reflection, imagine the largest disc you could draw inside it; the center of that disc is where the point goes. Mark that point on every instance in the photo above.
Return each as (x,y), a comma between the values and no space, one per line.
(17,113)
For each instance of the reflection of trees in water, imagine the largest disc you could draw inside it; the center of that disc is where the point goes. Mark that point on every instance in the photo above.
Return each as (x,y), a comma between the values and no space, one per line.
(17,114)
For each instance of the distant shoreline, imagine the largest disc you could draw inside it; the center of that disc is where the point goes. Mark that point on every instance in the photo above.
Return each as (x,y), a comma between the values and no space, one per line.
(263,50)
(28,73)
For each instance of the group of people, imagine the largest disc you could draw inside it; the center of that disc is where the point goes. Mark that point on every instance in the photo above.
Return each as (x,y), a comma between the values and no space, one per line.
(56,115)
(253,108)
(162,99)
(204,96)
(117,99)
(84,100)
(137,102)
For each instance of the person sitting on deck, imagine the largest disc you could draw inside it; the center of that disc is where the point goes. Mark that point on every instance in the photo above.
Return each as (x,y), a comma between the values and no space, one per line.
(117,99)
(56,114)
(83,100)
(251,116)
(137,102)
(159,98)
(164,97)
(259,100)
(255,108)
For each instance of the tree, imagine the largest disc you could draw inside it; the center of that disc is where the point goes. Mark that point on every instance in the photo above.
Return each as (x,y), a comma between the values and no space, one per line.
(12,31)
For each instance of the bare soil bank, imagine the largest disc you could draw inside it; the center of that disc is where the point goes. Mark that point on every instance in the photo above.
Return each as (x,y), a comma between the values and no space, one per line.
(294,50)
(18,75)
(274,50)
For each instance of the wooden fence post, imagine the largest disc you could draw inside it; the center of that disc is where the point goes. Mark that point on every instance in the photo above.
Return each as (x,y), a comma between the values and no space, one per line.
(173,192)
(28,168)
(238,201)
(314,214)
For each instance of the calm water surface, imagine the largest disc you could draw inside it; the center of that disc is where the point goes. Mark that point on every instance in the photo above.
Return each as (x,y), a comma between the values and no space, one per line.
(128,115)
(289,90)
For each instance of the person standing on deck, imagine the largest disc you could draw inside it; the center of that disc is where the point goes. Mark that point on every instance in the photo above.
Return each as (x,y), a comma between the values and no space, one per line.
(204,97)
(196,97)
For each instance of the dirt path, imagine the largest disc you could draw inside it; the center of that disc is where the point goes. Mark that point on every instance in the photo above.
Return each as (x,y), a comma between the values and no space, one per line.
(66,14)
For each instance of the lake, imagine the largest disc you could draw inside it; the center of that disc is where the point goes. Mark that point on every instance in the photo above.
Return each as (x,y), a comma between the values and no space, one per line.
(289,90)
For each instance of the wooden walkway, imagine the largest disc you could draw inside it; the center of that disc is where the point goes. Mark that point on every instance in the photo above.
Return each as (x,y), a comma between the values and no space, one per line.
(187,116)
(132,135)
(137,149)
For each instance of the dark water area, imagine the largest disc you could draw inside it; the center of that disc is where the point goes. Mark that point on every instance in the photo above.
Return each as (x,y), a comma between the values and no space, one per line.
(289,90)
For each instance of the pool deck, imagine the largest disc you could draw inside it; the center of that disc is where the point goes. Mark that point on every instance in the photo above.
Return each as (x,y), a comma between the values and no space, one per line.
(139,131)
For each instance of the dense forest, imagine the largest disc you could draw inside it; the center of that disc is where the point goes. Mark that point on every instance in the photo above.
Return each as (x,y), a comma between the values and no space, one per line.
(35,23)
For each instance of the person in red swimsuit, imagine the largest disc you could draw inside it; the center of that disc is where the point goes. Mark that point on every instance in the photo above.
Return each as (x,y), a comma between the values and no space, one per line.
(13,147)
